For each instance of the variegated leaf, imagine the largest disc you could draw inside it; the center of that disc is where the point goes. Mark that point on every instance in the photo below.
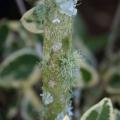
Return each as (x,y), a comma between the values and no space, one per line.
(101,111)
(31,23)
(19,65)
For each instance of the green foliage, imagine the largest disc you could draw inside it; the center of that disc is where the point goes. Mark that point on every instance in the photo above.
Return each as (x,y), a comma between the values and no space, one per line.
(31,23)
(24,60)
(86,75)
(102,111)
(3,34)
(43,89)
(18,71)
(94,42)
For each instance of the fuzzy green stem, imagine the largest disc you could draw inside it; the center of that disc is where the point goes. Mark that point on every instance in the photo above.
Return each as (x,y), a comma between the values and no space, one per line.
(57,31)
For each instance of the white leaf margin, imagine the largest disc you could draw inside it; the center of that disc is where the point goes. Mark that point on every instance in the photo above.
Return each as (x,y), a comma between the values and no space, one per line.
(111,114)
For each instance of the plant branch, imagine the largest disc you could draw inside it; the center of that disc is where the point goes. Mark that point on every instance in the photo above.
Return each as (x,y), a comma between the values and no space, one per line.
(114,31)
(21,6)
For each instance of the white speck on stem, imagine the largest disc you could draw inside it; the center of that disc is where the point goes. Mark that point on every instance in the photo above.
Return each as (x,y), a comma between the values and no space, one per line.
(56,46)
(56,21)
(52,83)
(47,98)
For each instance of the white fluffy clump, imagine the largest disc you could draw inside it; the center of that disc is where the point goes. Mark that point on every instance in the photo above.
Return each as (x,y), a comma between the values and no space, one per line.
(47,98)
(56,21)
(56,46)
(60,116)
(67,7)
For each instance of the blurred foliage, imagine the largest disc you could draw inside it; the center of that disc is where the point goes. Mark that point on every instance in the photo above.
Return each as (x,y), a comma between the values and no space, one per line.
(20,55)
(102,111)
(20,79)
(93,42)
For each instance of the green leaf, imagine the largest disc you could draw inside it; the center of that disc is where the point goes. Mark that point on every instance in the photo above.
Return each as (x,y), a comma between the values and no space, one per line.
(96,43)
(101,111)
(112,79)
(115,81)
(86,75)
(87,64)
(31,106)
(3,35)
(19,65)
(31,22)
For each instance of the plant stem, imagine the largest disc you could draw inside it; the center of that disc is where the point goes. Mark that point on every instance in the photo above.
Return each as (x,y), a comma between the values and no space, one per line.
(115,29)
(21,6)
(58,28)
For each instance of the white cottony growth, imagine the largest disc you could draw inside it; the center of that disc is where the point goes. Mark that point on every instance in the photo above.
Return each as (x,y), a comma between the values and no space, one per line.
(67,7)
(52,83)
(60,116)
(56,46)
(56,21)
(47,98)
(69,110)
